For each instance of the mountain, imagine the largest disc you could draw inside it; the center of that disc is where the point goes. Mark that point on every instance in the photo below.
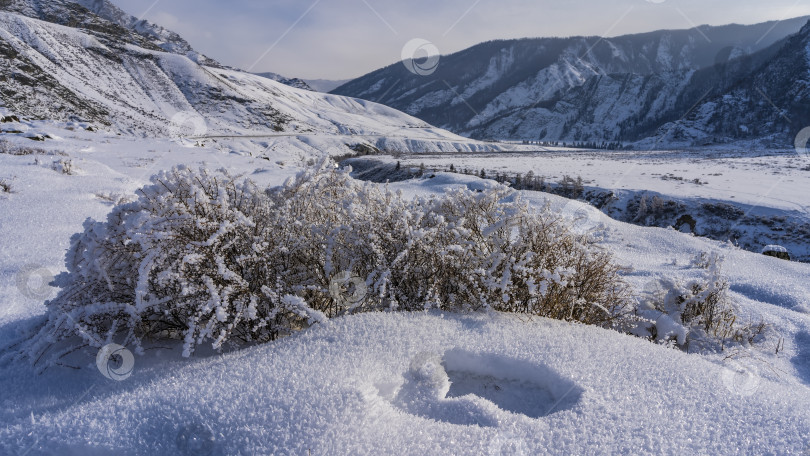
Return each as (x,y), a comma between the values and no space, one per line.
(326,85)
(767,102)
(581,88)
(292,82)
(165,39)
(87,61)
(104,20)
(317,85)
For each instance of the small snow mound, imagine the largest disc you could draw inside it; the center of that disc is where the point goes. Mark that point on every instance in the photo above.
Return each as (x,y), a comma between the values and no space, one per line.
(774,248)
(520,387)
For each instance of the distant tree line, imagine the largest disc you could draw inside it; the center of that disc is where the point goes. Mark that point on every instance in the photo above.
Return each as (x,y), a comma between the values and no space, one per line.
(568,186)
(605,145)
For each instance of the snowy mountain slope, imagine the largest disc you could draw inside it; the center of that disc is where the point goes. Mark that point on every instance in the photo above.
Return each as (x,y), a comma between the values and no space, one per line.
(292,82)
(101,17)
(163,38)
(62,73)
(318,85)
(325,85)
(573,89)
(354,386)
(769,104)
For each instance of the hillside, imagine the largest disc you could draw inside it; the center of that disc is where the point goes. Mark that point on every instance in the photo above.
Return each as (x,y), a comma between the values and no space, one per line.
(581,88)
(292,82)
(767,103)
(146,81)
(102,19)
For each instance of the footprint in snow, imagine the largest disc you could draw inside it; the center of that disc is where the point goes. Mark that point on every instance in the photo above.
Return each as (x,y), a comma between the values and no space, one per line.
(468,388)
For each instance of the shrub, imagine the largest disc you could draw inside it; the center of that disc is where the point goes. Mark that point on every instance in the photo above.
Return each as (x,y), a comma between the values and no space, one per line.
(116,199)
(696,314)
(204,257)
(7,147)
(185,261)
(5,186)
(463,250)
(64,166)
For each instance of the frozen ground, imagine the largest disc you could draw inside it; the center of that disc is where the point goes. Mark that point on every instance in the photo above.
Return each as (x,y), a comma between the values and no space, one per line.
(755,198)
(408,383)
(775,179)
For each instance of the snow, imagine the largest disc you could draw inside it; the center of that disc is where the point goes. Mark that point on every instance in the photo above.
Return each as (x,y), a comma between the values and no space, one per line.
(386,383)
(762,184)
(774,248)
(498,66)
(349,388)
(160,94)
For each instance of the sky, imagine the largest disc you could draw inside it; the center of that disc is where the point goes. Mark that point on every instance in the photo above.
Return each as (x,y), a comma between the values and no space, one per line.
(344,39)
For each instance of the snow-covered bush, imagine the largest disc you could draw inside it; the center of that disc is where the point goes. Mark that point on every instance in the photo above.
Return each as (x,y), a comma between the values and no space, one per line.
(776,251)
(185,261)
(696,314)
(205,257)
(462,250)
(64,166)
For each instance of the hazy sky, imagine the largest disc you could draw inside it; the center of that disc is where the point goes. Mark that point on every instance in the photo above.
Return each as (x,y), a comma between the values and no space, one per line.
(341,39)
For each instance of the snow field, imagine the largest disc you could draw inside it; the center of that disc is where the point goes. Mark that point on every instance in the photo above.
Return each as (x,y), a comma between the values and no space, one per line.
(349,388)
(397,383)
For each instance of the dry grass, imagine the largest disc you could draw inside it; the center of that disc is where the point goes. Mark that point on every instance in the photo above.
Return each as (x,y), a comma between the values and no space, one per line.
(64,166)
(7,147)
(703,308)
(709,309)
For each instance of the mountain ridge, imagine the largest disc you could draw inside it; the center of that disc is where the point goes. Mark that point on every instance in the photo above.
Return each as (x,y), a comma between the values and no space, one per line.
(106,21)
(298,83)
(569,89)
(89,70)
